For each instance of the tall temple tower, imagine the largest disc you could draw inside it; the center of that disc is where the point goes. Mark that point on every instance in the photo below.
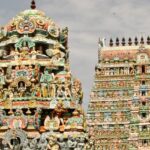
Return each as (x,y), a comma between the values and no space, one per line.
(119,108)
(40,100)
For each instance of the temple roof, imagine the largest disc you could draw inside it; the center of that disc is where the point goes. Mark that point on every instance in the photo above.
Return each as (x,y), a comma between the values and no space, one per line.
(30,20)
(34,24)
(121,50)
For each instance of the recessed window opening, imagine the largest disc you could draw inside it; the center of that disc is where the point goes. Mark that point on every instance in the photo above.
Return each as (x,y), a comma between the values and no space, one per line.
(144,127)
(143,103)
(143,82)
(143,69)
(144,115)
(143,93)
(144,142)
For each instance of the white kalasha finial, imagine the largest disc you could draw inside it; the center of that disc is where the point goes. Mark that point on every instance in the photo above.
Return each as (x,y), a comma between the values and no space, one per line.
(102,43)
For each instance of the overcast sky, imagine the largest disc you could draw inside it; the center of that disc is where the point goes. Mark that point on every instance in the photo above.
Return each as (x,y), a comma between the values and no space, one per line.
(88,20)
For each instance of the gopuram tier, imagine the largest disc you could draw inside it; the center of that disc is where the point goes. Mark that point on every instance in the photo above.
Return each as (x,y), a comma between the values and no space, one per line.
(119,109)
(40,100)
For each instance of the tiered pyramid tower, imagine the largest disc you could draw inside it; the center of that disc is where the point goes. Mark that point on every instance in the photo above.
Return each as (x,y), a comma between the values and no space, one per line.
(119,112)
(40,100)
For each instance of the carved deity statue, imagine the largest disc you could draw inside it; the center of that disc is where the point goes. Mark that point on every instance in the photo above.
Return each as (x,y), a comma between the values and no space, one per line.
(72,143)
(42,143)
(52,143)
(62,144)
(6,145)
(76,122)
(25,145)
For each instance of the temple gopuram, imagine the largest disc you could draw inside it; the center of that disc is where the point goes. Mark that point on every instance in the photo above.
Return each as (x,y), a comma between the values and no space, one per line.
(119,109)
(40,100)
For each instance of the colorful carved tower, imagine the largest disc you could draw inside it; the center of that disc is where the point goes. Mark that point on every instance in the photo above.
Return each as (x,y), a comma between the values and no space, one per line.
(118,114)
(40,100)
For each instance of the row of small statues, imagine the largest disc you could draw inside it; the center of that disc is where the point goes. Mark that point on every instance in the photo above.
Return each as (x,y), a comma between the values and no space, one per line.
(110,146)
(115,84)
(114,95)
(50,90)
(140,117)
(34,73)
(28,81)
(115,71)
(25,49)
(141,130)
(111,134)
(57,119)
(122,71)
(108,105)
(49,143)
(111,94)
(114,118)
(119,93)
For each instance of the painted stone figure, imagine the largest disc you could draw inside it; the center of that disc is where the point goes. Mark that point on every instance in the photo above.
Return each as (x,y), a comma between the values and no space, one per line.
(62,144)
(52,143)
(42,143)
(72,143)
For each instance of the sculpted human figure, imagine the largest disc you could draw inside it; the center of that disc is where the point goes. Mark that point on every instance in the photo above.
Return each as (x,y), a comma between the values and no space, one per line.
(36,90)
(67,92)
(77,91)
(37,117)
(9,74)
(24,51)
(42,143)
(25,145)
(126,70)
(132,71)
(62,144)
(46,78)
(15,143)
(57,56)
(52,143)
(44,90)
(59,110)
(16,55)
(52,90)
(97,71)
(111,71)
(31,73)
(33,54)
(107,71)
(76,122)
(60,91)
(58,59)
(81,143)
(33,144)
(72,143)
(10,54)
(2,78)
(6,145)
(40,50)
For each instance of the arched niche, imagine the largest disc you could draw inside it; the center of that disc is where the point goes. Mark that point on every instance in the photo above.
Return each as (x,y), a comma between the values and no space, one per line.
(142,58)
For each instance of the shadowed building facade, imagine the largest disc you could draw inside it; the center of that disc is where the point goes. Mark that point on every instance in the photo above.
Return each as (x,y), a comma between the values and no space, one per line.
(118,113)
